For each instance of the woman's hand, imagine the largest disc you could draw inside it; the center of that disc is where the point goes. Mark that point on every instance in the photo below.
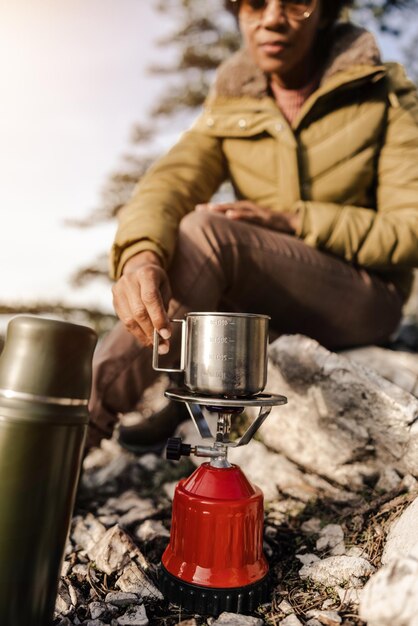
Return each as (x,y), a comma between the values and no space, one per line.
(246,211)
(141,297)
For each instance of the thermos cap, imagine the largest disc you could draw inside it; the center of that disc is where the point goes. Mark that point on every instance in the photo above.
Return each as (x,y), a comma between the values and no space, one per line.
(47,360)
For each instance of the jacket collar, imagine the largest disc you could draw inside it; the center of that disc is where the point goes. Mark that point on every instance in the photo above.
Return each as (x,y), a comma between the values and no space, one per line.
(351,47)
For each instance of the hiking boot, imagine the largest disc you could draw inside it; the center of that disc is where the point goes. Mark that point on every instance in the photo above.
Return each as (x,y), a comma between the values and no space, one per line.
(152,433)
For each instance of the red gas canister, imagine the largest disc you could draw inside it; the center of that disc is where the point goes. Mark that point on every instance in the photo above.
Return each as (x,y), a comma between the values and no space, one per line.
(215,561)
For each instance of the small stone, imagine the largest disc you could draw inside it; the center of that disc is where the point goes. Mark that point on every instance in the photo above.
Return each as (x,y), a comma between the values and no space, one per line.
(312,526)
(108,520)
(348,596)
(149,462)
(121,598)
(92,479)
(134,616)
(80,571)
(169,489)
(64,605)
(97,609)
(94,622)
(150,530)
(331,539)
(115,550)
(389,480)
(308,558)
(133,580)
(356,551)
(127,501)
(327,618)
(87,531)
(290,620)
(232,619)
(409,482)
(65,569)
(137,515)
(313,622)
(327,604)
(337,570)
(285,607)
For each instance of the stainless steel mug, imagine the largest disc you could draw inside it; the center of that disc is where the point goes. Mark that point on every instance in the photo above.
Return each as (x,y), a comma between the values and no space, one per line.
(45,380)
(222,353)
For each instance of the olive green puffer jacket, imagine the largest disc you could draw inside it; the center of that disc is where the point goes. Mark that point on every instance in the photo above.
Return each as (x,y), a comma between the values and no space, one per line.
(348,164)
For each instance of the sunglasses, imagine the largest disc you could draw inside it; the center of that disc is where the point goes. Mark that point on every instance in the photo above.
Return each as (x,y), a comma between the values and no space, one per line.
(252,10)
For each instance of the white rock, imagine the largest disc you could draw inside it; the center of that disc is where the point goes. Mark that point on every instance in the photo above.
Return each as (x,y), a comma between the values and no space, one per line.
(290,620)
(151,529)
(327,618)
(137,515)
(331,539)
(390,597)
(313,622)
(402,538)
(129,500)
(339,407)
(114,550)
(312,526)
(389,480)
(64,605)
(87,531)
(349,596)
(169,489)
(308,558)
(97,609)
(94,479)
(409,483)
(134,616)
(401,368)
(134,580)
(149,462)
(356,551)
(233,619)
(337,570)
(285,607)
(121,598)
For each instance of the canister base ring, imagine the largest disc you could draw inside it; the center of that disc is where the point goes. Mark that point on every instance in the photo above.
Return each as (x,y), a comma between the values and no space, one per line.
(212,600)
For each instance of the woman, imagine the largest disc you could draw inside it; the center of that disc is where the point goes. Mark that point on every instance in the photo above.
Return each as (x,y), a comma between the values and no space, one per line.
(320,142)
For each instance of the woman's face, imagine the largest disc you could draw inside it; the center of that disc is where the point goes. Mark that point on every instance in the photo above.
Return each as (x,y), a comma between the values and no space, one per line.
(281,44)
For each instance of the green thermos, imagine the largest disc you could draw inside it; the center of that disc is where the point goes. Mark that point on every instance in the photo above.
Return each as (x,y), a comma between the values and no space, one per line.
(45,381)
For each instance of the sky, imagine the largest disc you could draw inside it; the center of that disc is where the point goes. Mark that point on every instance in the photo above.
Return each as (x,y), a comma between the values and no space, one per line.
(74,80)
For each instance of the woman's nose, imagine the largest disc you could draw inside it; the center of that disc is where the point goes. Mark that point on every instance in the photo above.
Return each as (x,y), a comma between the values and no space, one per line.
(274,13)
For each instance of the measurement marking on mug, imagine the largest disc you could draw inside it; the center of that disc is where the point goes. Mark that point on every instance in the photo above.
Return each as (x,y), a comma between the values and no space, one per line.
(219,340)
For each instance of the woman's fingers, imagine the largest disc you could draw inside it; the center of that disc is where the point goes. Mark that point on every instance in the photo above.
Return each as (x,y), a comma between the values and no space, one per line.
(139,300)
(244,210)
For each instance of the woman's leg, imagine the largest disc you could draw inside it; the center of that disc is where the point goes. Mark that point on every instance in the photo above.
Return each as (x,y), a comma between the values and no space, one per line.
(242,267)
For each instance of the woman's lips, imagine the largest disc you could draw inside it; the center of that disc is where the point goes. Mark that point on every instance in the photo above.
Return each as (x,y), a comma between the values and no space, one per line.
(273,47)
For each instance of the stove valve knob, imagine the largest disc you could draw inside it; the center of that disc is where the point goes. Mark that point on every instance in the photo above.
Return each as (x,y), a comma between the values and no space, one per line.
(176,449)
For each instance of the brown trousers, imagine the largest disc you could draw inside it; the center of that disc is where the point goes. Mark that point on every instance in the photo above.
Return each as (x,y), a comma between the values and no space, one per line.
(226,265)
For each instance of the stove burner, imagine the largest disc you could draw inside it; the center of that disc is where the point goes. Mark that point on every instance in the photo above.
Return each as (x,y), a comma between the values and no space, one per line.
(222,402)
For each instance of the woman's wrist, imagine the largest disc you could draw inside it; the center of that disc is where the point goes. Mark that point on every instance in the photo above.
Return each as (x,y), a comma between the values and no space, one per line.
(145,257)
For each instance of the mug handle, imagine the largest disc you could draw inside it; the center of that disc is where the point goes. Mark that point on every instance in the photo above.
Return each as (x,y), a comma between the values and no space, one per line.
(182,353)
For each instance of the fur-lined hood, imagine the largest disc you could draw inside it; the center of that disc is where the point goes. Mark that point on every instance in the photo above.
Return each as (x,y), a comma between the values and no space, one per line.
(351,46)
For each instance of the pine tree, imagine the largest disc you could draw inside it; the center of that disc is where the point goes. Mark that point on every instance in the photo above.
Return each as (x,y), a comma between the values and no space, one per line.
(203,36)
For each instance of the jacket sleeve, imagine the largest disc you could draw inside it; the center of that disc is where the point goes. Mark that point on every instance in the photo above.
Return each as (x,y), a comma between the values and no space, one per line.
(388,236)
(188,174)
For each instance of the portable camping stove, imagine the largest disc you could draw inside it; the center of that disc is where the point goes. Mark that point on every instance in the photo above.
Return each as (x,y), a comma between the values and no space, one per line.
(214,561)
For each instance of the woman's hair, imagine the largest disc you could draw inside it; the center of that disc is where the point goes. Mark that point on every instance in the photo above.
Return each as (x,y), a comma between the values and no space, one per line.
(331,9)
